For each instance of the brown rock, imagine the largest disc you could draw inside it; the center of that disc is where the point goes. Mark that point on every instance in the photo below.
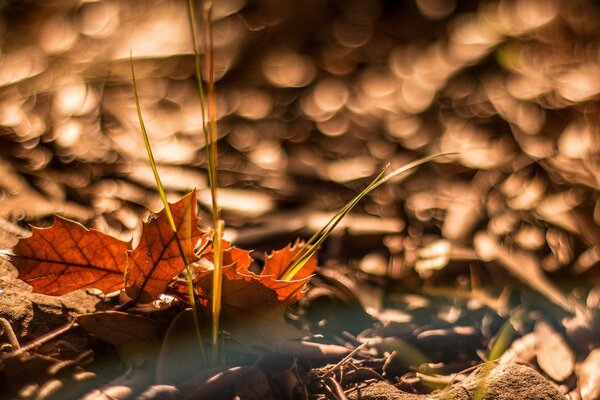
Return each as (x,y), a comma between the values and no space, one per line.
(503,382)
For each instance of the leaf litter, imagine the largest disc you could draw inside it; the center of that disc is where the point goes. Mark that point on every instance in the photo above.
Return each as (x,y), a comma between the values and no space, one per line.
(507,82)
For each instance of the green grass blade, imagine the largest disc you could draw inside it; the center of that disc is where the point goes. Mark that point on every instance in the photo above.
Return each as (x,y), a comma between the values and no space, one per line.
(210,134)
(163,197)
(210,138)
(503,340)
(318,238)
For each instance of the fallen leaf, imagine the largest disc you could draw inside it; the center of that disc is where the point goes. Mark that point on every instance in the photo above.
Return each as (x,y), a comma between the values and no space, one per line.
(67,257)
(589,376)
(181,352)
(275,264)
(251,312)
(157,259)
(553,354)
(136,336)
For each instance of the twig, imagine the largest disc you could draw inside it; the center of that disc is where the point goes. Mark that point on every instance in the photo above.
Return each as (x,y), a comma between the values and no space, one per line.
(46,338)
(10,334)
(345,359)
(336,388)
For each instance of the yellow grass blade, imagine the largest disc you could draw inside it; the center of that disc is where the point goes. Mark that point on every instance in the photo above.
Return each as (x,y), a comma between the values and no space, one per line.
(318,238)
(163,196)
(210,137)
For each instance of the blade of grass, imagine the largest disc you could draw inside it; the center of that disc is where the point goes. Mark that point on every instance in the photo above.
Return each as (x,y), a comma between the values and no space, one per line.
(212,107)
(217,286)
(503,340)
(210,138)
(318,238)
(210,134)
(163,196)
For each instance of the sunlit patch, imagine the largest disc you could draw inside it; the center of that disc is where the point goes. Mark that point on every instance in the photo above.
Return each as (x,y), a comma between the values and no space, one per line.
(99,19)
(268,154)
(351,35)
(402,126)
(57,35)
(577,141)
(254,104)
(330,95)
(523,193)
(337,125)
(288,69)
(436,9)
(173,177)
(163,31)
(67,134)
(11,112)
(472,38)
(519,17)
(249,203)
(378,83)
(528,87)
(477,147)
(350,169)
(74,97)
(21,64)
(415,97)
(579,84)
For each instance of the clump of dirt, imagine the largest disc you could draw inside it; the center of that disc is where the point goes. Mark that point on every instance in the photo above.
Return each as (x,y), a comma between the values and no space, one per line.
(504,382)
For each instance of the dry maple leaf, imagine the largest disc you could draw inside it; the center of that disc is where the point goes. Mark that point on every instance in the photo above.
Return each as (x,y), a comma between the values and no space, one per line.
(67,257)
(275,265)
(157,259)
(251,312)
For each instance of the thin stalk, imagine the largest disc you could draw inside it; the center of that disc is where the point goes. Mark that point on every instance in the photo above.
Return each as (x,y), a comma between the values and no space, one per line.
(210,137)
(318,238)
(217,285)
(163,196)
(503,340)
(212,107)
(210,133)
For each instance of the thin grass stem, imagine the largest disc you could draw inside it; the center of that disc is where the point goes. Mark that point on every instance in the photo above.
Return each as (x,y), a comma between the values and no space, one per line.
(163,196)
(217,285)
(312,245)
(209,112)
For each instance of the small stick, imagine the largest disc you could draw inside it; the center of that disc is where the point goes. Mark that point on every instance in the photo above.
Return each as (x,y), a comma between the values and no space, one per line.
(46,338)
(345,359)
(336,388)
(10,334)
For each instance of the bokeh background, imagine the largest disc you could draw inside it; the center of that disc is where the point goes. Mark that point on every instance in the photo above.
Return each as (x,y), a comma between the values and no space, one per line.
(313,97)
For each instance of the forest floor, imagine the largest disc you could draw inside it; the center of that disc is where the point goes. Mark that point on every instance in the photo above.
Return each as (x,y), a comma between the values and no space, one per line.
(474,276)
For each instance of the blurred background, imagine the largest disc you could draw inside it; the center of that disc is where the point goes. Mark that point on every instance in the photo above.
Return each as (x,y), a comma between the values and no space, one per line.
(313,98)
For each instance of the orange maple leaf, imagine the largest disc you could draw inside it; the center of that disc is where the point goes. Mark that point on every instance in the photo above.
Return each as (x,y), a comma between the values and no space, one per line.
(67,257)
(250,311)
(275,264)
(157,259)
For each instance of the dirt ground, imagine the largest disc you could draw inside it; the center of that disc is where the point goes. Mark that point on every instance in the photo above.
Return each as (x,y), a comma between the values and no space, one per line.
(474,276)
